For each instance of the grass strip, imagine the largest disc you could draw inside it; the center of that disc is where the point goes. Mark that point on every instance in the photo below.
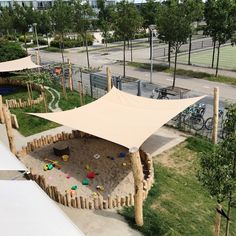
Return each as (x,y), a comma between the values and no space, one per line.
(187,73)
(178,204)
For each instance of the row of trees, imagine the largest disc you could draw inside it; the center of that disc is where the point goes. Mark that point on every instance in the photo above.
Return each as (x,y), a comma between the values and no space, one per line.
(174,20)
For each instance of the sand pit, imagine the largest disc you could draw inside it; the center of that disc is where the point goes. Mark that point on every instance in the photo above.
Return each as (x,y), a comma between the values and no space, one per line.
(113,175)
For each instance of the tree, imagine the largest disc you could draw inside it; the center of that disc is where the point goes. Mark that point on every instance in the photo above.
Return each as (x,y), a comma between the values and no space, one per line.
(174,27)
(194,10)
(149,12)
(44,23)
(61,20)
(126,23)
(220,20)
(83,17)
(6,19)
(23,18)
(218,168)
(104,19)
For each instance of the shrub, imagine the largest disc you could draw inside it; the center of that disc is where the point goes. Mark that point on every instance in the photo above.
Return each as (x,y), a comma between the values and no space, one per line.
(22,39)
(71,43)
(41,40)
(10,51)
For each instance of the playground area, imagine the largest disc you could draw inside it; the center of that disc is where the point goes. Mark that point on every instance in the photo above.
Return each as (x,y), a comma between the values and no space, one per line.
(204,58)
(95,167)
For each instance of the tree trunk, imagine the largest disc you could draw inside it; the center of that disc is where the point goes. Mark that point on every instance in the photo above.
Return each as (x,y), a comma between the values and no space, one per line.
(25,43)
(124,60)
(62,48)
(169,48)
(189,49)
(213,54)
(176,52)
(150,43)
(228,214)
(218,58)
(86,43)
(131,50)
(128,44)
(47,39)
(138,184)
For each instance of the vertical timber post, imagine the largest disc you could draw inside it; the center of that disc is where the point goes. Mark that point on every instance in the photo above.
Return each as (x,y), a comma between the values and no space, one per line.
(9,129)
(138,184)
(108,69)
(70,75)
(218,221)
(215,115)
(1,110)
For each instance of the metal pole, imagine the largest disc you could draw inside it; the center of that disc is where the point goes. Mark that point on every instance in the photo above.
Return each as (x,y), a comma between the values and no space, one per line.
(37,41)
(151,60)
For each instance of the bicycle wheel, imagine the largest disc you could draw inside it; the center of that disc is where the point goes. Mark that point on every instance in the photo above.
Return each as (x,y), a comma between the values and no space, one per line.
(197,122)
(209,123)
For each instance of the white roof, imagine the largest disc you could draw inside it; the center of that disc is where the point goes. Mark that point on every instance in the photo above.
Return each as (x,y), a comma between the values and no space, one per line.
(18,64)
(120,117)
(26,210)
(8,161)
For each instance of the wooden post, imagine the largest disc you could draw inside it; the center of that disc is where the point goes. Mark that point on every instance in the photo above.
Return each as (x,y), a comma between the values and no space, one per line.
(29,94)
(10,135)
(215,115)
(1,110)
(70,75)
(44,101)
(218,221)
(108,69)
(63,87)
(80,94)
(138,184)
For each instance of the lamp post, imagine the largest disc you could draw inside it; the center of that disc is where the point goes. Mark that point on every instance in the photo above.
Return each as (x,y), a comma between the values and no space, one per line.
(152,28)
(37,41)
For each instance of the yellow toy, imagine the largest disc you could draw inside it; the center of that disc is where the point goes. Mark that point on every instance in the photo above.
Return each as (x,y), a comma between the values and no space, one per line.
(65,157)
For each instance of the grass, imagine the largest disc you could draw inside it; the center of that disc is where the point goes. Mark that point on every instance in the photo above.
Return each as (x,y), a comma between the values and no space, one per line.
(187,73)
(178,204)
(29,125)
(227,58)
(53,49)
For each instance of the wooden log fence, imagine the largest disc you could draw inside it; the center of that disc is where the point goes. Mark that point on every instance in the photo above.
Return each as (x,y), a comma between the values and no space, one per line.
(18,103)
(82,202)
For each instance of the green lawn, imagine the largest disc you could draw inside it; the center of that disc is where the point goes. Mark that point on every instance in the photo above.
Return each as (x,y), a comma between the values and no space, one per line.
(29,125)
(227,58)
(177,203)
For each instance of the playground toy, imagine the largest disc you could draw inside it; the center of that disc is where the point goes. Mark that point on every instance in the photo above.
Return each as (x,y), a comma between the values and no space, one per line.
(91,175)
(54,163)
(74,187)
(100,187)
(122,155)
(96,156)
(47,167)
(65,158)
(85,181)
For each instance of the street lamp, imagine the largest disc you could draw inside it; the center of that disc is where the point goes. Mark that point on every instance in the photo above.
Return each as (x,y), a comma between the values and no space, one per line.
(152,28)
(37,41)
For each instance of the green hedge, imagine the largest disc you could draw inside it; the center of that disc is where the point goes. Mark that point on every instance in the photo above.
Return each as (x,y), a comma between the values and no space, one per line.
(71,43)
(10,51)
(22,39)
(41,40)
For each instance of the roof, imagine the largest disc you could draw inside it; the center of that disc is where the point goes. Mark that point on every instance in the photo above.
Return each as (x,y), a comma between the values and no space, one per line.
(120,117)
(26,210)
(18,64)
(8,161)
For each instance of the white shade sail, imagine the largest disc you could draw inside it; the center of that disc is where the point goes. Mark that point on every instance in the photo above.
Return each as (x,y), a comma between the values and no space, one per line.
(8,161)
(121,118)
(25,210)
(18,64)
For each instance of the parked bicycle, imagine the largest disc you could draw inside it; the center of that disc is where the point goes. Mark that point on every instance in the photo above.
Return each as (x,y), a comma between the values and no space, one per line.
(209,121)
(193,116)
(159,93)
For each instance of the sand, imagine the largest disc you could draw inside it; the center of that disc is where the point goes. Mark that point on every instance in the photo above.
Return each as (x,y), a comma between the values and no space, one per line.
(116,178)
